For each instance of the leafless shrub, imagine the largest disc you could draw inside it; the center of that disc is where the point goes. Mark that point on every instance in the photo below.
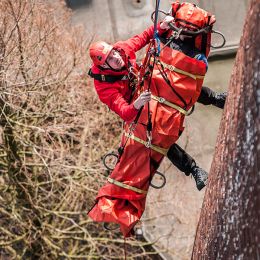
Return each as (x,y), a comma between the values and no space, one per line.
(53,132)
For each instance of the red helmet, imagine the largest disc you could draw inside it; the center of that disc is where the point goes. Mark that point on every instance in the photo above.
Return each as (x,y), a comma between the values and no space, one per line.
(98,52)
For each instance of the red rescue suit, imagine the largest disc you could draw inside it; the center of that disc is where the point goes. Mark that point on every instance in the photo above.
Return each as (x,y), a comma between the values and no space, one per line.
(116,201)
(116,95)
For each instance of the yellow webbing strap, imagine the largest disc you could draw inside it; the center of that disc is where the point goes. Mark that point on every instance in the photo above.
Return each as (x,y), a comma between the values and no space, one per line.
(172,68)
(125,186)
(153,147)
(164,101)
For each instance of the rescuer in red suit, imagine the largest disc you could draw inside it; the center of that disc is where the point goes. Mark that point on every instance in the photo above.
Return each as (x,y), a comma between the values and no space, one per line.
(113,70)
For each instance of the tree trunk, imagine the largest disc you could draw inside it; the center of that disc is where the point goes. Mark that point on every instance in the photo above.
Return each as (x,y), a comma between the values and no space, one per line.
(229,225)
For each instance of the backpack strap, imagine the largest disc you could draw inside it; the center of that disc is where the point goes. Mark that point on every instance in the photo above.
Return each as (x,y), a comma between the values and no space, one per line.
(107,78)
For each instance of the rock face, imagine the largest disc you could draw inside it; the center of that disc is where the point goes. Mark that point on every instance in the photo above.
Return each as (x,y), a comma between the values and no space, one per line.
(229,225)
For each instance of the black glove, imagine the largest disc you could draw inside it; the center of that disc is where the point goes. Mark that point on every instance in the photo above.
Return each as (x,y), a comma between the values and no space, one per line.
(219,99)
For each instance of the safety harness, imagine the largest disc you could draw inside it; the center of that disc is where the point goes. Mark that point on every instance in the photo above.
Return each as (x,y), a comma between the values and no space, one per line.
(107,78)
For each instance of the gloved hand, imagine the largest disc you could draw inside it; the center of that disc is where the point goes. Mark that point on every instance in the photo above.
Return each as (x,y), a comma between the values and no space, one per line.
(165,23)
(142,99)
(220,99)
(203,58)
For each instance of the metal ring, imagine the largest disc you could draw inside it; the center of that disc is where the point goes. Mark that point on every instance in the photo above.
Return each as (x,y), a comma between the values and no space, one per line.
(163,183)
(161,100)
(224,40)
(106,226)
(191,110)
(106,157)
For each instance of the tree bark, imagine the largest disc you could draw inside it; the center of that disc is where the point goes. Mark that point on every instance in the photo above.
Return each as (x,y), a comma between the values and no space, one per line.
(229,225)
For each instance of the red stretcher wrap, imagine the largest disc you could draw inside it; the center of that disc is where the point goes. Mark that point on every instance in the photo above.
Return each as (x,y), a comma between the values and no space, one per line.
(125,206)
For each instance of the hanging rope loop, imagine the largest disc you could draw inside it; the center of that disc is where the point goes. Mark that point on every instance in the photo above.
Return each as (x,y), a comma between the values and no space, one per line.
(163,179)
(223,38)
(110,160)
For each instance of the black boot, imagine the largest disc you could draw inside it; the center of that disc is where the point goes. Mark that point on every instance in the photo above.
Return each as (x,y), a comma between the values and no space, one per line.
(220,99)
(185,163)
(180,159)
(200,176)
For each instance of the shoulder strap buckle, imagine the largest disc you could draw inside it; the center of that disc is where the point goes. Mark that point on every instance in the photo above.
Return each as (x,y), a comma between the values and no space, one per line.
(103,78)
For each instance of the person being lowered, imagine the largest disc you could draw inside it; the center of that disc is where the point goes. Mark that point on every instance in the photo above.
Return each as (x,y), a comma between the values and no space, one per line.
(113,71)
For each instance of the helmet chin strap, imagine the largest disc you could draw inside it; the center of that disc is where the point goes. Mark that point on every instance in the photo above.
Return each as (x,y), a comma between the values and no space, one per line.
(113,68)
(110,66)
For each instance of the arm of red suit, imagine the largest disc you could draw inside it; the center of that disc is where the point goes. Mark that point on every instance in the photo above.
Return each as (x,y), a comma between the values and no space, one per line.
(137,42)
(111,96)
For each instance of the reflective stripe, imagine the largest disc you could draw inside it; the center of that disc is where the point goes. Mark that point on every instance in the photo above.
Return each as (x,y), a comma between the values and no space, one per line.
(164,101)
(172,68)
(153,147)
(125,186)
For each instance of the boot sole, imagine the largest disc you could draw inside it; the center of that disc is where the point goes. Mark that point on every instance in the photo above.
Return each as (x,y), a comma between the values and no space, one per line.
(202,185)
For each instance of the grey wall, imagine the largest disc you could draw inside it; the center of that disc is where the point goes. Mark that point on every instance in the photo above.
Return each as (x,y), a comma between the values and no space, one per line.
(114,20)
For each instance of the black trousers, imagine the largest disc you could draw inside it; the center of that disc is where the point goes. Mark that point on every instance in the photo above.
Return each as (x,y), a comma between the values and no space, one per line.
(180,159)
(207,96)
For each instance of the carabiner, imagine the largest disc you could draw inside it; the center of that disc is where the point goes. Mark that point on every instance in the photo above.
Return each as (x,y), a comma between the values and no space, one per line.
(177,34)
(133,71)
